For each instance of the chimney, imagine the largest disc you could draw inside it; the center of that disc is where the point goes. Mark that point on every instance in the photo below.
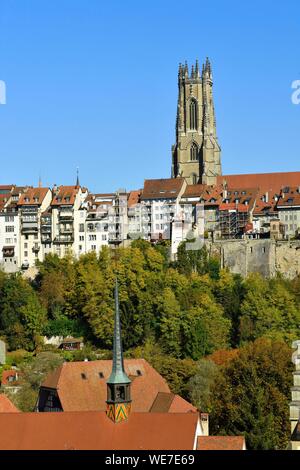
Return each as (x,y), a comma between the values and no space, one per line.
(267,197)
(204,420)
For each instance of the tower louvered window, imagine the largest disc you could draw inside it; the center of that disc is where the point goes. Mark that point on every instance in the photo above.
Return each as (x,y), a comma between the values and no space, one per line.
(194,152)
(193,114)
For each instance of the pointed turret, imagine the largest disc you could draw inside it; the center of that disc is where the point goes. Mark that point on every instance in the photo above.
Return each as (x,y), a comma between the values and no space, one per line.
(207,69)
(192,73)
(186,70)
(118,384)
(197,69)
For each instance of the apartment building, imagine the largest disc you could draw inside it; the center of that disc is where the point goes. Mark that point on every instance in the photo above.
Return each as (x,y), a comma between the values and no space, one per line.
(9,230)
(288,207)
(159,204)
(31,205)
(66,218)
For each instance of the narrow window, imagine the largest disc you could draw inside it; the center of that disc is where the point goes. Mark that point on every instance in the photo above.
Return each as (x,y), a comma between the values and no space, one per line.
(193,114)
(194,152)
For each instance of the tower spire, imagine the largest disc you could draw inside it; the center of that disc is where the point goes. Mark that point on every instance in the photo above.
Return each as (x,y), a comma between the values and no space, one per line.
(118,384)
(77,177)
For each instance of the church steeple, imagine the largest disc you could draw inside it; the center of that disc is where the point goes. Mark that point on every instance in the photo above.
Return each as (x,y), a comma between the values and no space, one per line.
(118,384)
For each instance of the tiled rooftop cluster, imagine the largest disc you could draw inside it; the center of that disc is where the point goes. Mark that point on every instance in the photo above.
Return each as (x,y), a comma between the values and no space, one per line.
(37,221)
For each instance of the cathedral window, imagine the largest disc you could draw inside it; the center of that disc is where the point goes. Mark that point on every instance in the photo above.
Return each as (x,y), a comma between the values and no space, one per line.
(194,152)
(193,114)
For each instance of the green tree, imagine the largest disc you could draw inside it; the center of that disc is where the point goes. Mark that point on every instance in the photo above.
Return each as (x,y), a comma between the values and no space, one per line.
(201,385)
(34,373)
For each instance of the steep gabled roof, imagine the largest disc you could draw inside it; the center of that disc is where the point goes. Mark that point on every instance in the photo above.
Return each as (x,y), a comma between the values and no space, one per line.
(65,195)
(171,403)
(33,197)
(82,394)
(167,188)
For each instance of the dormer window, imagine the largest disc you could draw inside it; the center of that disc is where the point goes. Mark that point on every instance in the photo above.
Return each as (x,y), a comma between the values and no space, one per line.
(26,199)
(101,375)
(83,376)
(139,373)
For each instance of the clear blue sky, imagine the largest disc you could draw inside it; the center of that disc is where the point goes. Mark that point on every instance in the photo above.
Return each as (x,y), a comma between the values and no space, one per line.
(93,84)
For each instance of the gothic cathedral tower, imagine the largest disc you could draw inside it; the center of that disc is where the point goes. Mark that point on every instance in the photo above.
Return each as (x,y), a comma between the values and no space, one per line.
(196,154)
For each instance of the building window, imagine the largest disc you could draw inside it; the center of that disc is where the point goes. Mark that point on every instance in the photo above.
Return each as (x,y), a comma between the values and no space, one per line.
(194,178)
(193,114)
(9,218)
(194,152)
(9,228)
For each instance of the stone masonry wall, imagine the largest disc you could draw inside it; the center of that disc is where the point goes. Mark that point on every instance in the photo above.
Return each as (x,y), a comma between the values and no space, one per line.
(267,257)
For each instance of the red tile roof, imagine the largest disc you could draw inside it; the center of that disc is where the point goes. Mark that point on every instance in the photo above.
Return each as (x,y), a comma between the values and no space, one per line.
(6,187)
(171,403)
(65,195)
(94,430)
(221,443)
(33,196)
(195,190)
(179,405)
(76,394)
(167,188)
(134,197)
(6,406)
(290,197)
(265,181)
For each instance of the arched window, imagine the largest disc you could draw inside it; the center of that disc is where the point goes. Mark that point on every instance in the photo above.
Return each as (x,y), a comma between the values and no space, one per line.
(194,152)
(193,114)
(194,178)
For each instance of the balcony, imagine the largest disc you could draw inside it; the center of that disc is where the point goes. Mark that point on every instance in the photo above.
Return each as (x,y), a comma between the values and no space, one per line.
(67,214)
(29,227)
(114,238)
(46,228)
(8,251)
(66,229)
(35,249)
(46,239)
(63,239)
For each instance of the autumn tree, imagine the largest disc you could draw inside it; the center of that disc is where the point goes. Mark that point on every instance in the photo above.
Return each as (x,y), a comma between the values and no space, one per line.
(252,394)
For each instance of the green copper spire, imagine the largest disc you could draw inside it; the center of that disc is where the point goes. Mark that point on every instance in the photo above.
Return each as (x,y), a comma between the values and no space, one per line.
(118,375)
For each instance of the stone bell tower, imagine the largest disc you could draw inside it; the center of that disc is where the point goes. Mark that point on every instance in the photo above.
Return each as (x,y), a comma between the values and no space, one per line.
(196,154)
(118,384)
